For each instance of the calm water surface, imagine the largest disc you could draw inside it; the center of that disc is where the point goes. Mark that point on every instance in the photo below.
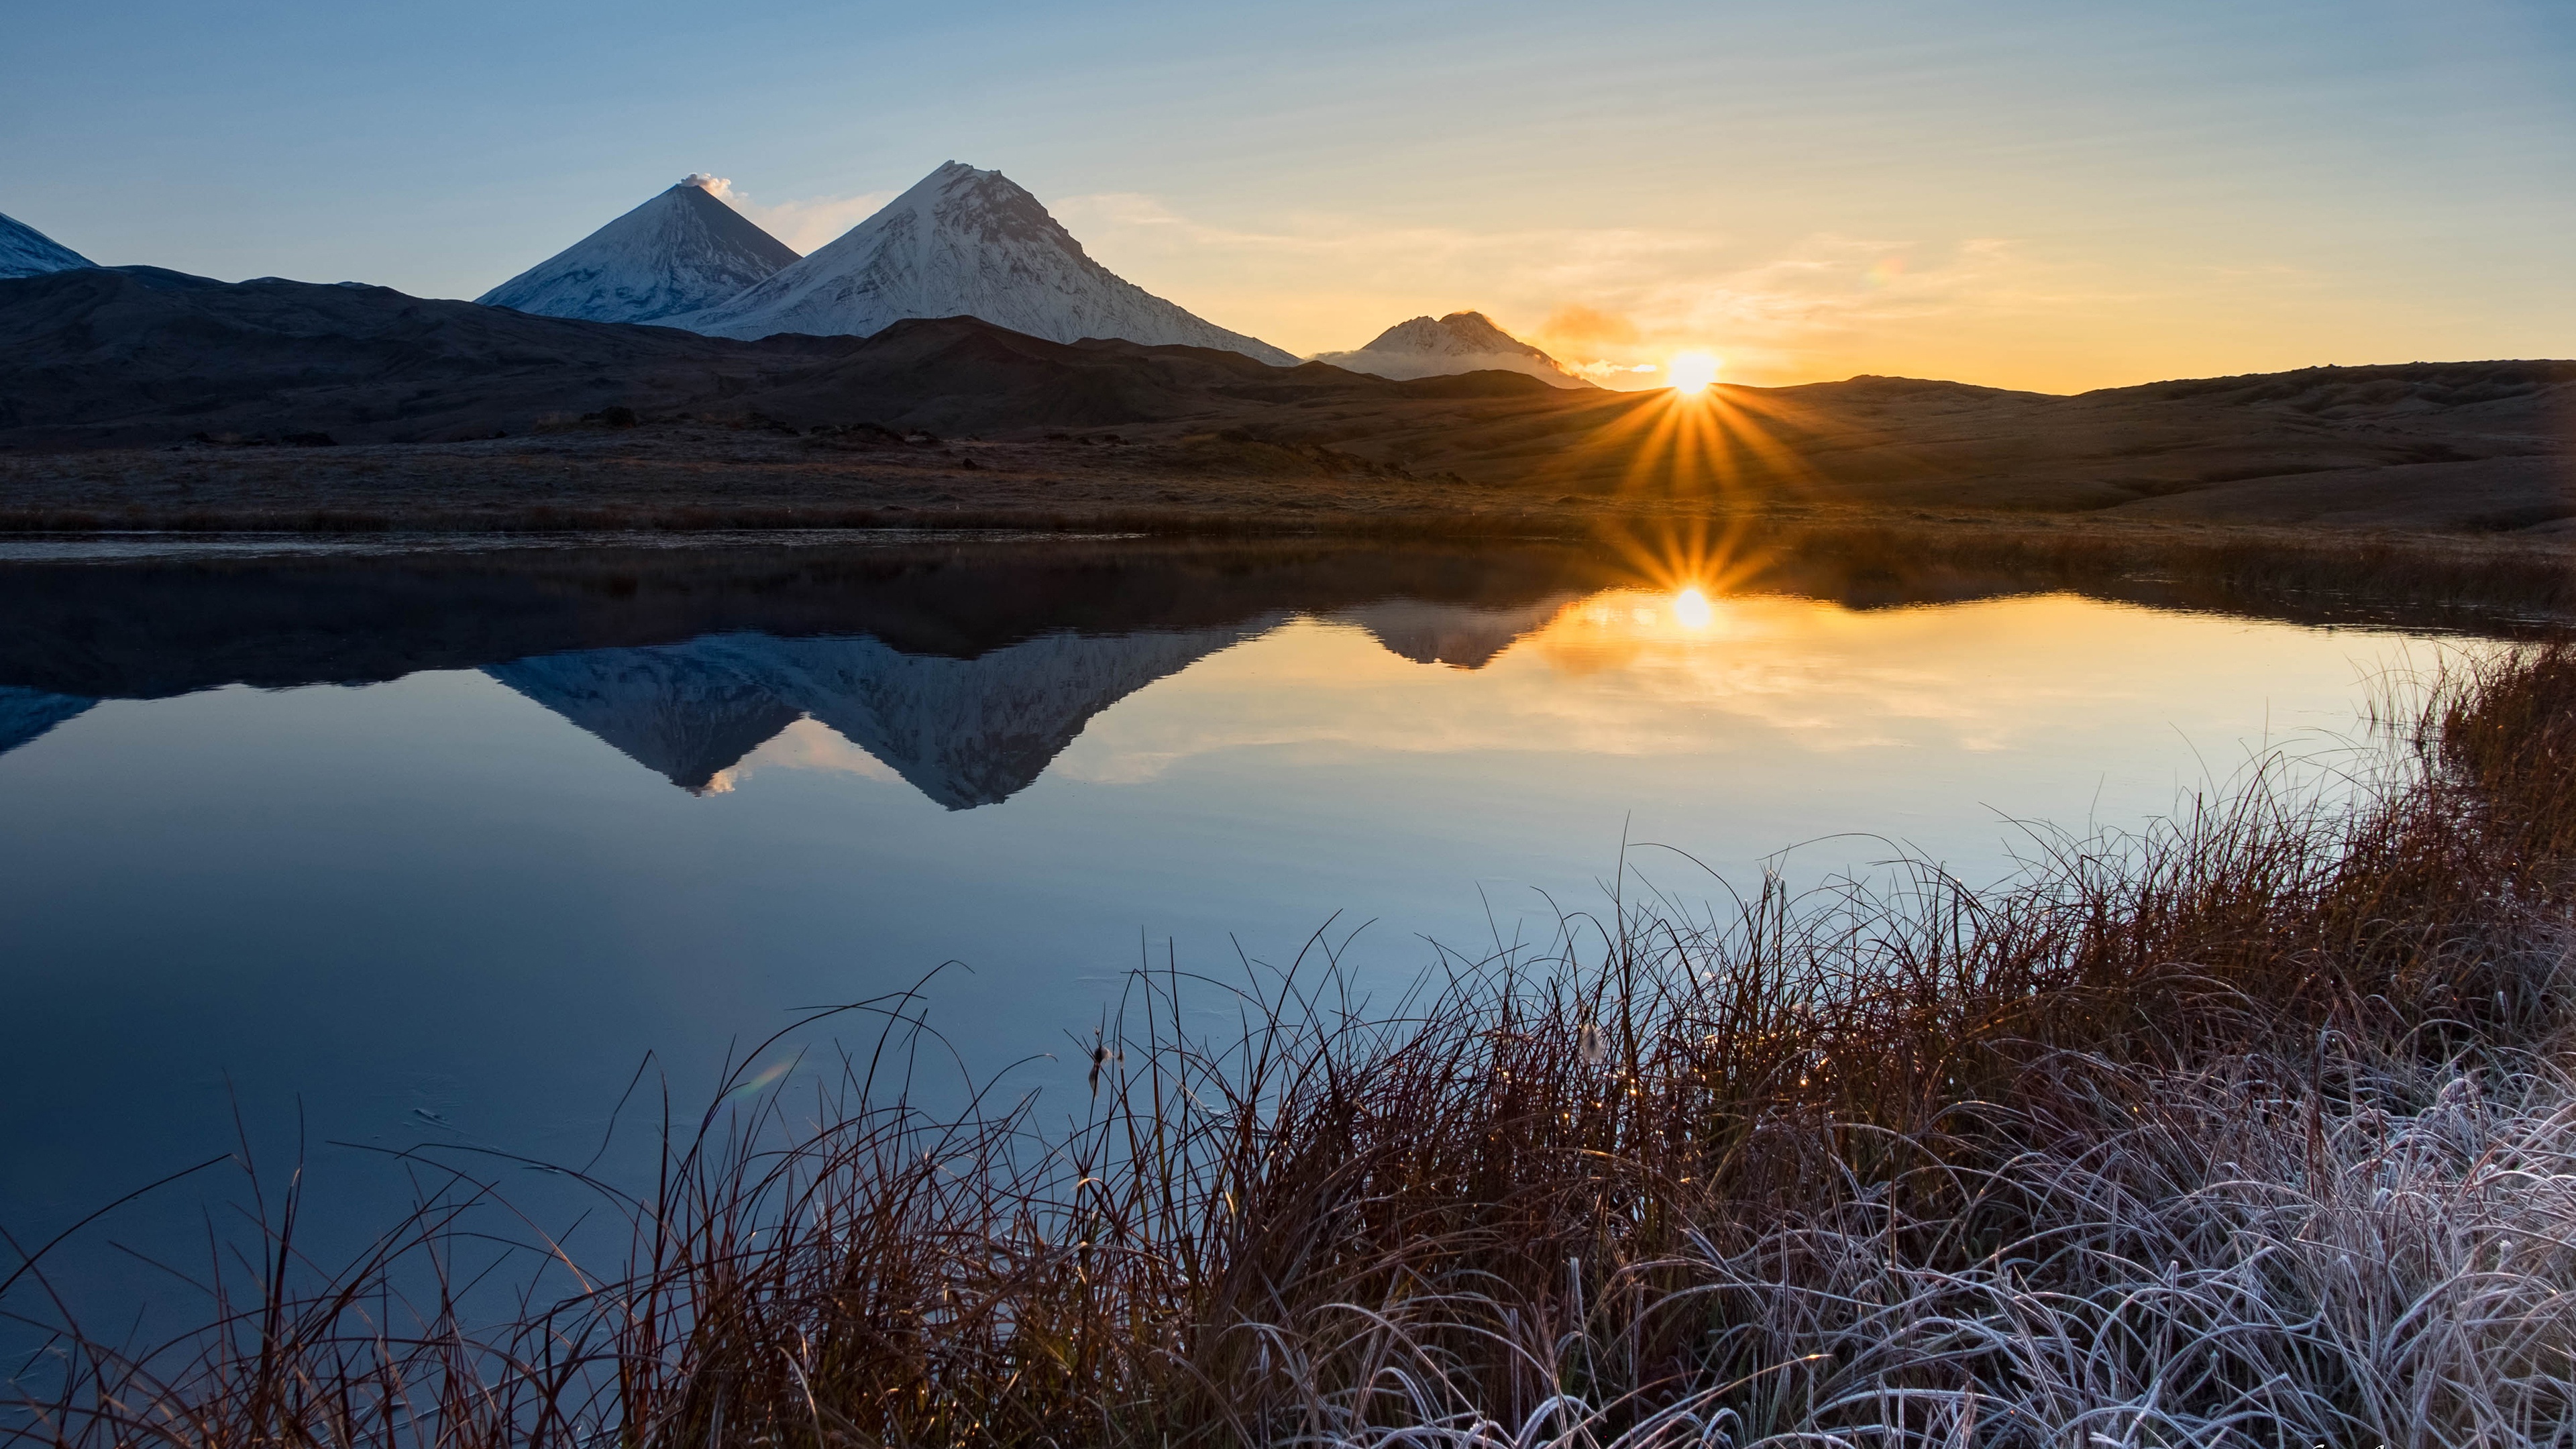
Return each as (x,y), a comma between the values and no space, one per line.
(387,855)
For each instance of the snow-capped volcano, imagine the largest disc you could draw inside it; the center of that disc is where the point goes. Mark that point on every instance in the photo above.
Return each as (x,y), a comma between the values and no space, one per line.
(965,243)
(681,251)
(27,252)
(1459,342)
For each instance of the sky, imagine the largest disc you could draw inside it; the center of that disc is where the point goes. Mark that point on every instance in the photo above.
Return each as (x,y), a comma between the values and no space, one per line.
(2046,194)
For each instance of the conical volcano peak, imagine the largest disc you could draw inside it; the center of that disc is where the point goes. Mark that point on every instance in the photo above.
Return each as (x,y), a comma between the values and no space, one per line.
(724,226)
(1479,326)
(681,251)
(964,242)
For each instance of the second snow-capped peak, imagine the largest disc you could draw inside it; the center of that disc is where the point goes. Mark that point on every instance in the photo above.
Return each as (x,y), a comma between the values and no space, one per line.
(965,243)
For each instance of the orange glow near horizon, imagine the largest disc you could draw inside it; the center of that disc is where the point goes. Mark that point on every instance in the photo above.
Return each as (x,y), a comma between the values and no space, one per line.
(1720,444)
(1692,610)
(1691,372)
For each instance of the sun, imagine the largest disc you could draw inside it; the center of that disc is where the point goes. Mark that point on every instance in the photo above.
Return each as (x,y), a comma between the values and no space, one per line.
(1692,610)
(1691,371)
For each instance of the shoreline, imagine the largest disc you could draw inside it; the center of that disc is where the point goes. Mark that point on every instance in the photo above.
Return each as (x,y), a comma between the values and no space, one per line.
(1856,554)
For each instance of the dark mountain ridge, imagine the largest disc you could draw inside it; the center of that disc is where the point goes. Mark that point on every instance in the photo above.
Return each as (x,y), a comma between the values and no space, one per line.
(2341,392)
(138,355)
(142,355)
(127,357)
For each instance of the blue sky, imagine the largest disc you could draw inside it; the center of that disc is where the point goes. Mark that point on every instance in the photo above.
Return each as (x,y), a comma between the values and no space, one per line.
(2047,195)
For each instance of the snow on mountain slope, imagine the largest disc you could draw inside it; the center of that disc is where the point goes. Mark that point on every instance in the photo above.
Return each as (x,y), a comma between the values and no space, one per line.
(679,252)
(27,252)
(965,243)
(1459,342)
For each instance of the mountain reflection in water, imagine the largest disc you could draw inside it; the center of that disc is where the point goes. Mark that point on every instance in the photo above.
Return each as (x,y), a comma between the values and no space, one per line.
(965,732)
(986,667)
(964,670)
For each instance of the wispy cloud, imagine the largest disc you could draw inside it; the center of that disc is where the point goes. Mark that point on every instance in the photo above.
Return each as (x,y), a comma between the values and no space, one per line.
(1611,302)
(1608,373)
(805,224)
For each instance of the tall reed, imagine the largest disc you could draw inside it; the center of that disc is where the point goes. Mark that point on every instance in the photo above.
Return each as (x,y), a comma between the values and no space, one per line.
(2256,1128)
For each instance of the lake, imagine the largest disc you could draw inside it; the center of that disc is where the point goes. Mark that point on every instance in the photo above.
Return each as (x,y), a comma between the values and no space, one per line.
(346,851)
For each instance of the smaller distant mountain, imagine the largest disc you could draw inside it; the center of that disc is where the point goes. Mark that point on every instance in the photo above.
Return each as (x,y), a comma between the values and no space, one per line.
(965,243)
(1459,342)
(27,252)
(682,251)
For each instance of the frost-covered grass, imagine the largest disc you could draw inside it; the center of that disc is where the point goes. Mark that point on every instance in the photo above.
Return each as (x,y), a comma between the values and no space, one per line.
(2259,1129)
(2247,1263)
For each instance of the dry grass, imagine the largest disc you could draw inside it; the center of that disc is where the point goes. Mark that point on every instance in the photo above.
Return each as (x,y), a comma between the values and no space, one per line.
(2257,1129)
